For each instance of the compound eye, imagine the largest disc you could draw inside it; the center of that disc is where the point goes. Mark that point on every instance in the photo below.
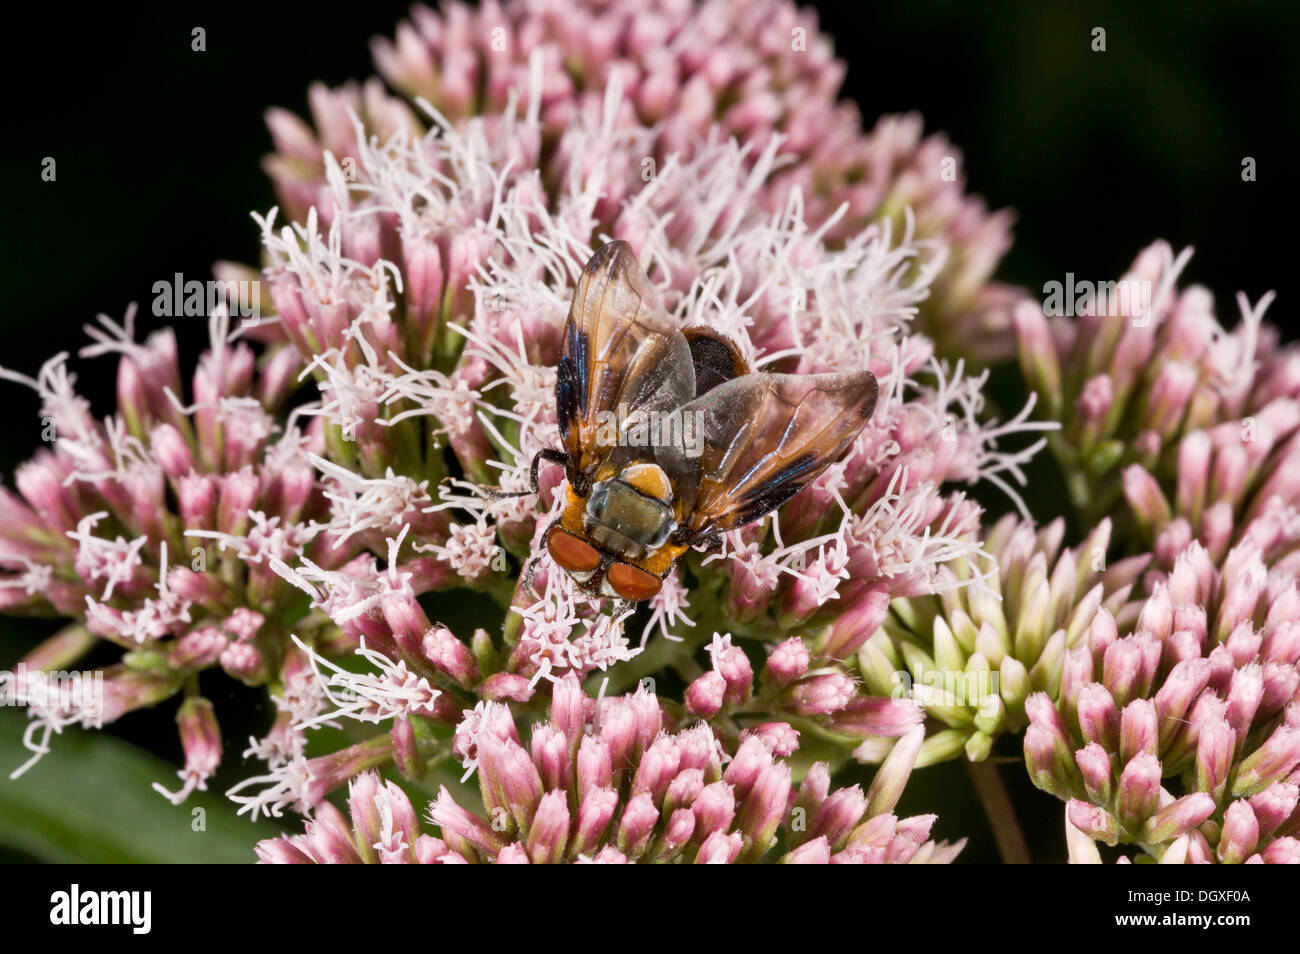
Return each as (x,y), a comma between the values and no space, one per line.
(632,583)
(571,553)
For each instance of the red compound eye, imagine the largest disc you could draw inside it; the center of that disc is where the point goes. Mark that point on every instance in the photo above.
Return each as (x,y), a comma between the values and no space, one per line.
(632,583)
(571,553)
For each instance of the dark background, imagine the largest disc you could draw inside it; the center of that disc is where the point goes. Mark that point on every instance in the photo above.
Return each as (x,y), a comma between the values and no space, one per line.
(1099,153)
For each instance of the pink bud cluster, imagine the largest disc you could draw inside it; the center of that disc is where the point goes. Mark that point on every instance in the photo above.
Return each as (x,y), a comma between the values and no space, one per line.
(1152,392)
(614,781)
(157,526)
(756,70)
(1186,731)
(999,631)
(418,289)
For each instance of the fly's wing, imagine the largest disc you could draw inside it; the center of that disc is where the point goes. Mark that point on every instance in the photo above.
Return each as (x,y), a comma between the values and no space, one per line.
(763,438)
(715,357)
(622,360)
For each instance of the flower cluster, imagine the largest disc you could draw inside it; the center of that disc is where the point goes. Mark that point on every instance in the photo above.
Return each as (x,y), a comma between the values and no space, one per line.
(973,654)
(613,781)
(1149,387)
(757,71)
(1179,737)
(159,525)
(443,364)
(1183,736)
(302,520)
(418,289)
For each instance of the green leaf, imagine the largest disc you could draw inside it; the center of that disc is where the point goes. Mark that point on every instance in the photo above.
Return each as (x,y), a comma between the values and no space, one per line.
(90,799)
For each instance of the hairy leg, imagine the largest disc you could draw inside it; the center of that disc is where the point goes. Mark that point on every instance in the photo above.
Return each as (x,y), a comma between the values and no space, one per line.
(546,454)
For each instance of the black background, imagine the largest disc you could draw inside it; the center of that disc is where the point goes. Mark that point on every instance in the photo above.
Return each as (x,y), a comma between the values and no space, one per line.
(157,151)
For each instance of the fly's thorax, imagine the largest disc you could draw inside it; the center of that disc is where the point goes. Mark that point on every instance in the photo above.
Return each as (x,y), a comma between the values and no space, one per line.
(630,514)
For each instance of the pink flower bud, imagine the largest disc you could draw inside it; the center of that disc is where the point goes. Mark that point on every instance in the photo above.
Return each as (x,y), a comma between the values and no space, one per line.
(550,753)
(856,624)
(714,808)
(732,664)
(281,851)
(1282,644)
(594,767)
(503,685)
(1271,762)
(244,661)
(1240,834)
(638,822)
(197,497)
(449,655)
(868,716)
(1129,666)
(839,815)
(595,812)
(787,662)
(513,854)
(407,622)
(548,834)
(1138,730)
(201,742)
(1284,851)
(815,852)
(1194,453)
(1101,634)
(1184,683)
(618,729)
(406,751)
(1245,693)
(683,790)
(330,843)
(780,738)
(765,807)
(1139,790)
(677,832)
(239,492)
(569,706)
(1178,818)
(720,849)
(171,451)
(1274,805)
(1097,823)
(508,773)
(658,767)
(463,831)
(819,695)
(1145,497)
(199,648)
(1214,748)
(1099,718)
(1048,757)
(704,696)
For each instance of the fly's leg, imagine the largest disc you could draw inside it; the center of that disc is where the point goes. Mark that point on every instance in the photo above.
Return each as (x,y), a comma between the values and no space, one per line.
(545,454)
(531,566)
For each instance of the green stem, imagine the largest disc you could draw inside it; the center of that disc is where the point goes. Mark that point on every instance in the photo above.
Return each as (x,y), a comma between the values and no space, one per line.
(997,806)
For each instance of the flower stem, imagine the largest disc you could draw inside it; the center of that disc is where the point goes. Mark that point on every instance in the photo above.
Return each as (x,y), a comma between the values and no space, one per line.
(997,806)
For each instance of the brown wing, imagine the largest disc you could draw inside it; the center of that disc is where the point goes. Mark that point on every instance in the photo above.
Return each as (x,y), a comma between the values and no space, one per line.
(764,438)
(619,350)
